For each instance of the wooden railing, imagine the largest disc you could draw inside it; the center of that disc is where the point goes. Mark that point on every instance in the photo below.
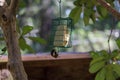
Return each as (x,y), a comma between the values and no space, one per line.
(67,66)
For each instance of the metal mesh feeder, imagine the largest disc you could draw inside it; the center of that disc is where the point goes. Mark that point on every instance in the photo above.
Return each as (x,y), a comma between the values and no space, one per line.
(61,33)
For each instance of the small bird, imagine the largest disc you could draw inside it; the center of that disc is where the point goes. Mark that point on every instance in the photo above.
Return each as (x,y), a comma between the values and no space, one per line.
(54,53)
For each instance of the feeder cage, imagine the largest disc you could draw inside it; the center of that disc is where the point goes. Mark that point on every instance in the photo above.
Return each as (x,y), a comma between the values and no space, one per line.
(61,32)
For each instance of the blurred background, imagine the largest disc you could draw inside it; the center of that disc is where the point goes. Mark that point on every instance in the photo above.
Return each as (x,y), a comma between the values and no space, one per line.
(39,14)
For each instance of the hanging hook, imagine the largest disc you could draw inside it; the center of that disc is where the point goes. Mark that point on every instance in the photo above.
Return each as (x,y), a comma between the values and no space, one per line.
(60,6)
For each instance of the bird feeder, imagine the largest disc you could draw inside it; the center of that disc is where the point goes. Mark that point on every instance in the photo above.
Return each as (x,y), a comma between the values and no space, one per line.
(61,32)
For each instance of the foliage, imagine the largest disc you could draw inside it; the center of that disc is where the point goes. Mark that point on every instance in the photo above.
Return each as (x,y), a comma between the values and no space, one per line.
(76,11)
(22,39)
(106,64)
(90,10)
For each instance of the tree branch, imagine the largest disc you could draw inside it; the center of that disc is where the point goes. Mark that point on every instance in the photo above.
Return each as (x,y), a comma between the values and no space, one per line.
(114,12)
(3,6)
(13,6)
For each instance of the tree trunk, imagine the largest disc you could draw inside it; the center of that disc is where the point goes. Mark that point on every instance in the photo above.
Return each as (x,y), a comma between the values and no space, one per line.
(15,64)
(8,24)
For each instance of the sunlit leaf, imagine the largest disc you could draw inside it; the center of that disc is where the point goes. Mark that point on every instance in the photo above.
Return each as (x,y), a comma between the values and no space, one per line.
(101,58)
(101,74)
(110,73)
(26,29)
(96,66)
(94,55)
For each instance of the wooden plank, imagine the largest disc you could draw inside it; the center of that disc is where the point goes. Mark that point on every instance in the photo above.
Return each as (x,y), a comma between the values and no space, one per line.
(45,59)
(47,56)
(75,65)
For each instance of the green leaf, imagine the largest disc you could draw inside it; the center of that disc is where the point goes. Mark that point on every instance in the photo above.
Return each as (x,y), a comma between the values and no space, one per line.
(97,60)
(75,14)
(88,11)
(109,73)
(89,4)
(114,54)
(38,39)
(29,48)
(96,66)
(102,11)
(86,20)
(26,29)
(101,74)
(116,75)
(94,2)
(118,42)
(87,15)
(116,68)
(118,56)
(1,39)
(83,1)
(104,53)
(23,45)
(22,4)
(92,16)
(77,3)
(94,55)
